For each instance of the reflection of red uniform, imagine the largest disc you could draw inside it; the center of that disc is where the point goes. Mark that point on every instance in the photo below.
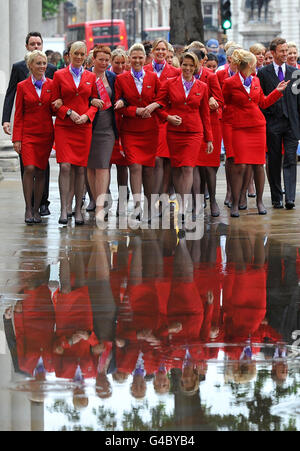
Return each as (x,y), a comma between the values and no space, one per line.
(185,140)
(73,314)
(72,142)
(33,124)
(244,303)
(139,136)
(35,330)
(167,73)
(185,306)
(214,90)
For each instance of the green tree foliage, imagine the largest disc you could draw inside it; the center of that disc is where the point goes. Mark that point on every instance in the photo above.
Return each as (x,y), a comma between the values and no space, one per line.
(50,7)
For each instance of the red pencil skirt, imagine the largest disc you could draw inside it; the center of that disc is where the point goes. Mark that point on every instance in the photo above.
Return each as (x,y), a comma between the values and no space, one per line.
(214,159)
(184,148)
(73,144)
(140,148)
(249,145)
(36,149)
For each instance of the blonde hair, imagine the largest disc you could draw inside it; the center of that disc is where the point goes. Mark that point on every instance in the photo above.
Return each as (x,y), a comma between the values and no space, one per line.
(196,45)
(76,46)
(232,48)
(158,41)
(171,48)
(137,47)
(118,52)
(229,44)
(31,56)
(257,48)
(243,58)
(175,62)
(192,56)
(292,44)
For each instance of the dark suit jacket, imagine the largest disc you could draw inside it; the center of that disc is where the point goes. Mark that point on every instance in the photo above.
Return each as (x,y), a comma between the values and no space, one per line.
(19,73)
(290,103)
(111,78)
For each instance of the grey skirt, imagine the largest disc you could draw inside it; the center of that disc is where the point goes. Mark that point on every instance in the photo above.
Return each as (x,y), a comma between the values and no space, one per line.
(103,141)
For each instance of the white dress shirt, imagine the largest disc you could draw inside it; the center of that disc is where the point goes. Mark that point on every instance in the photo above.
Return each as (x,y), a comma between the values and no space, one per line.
(276,67)
(76,79)
(139,82)
(187,91)
(38,91)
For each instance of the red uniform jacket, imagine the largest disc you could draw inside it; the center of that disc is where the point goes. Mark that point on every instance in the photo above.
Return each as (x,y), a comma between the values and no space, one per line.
(167,73)
(246,107)
(73,98)
(126,89)
(214,89)
(33,114)
(194,110)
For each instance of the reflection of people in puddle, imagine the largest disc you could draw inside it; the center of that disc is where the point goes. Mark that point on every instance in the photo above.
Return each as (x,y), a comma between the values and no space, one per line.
(280,368)
(103,305)
(244,305)
(76,344)
(138,387)
(244,370)
(207,258)
(103,386)
(161,381)
(29,326)
(185,308)
(189,378)
(244,289)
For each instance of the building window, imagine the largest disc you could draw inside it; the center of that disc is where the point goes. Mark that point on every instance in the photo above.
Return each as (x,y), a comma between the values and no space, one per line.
(208,15)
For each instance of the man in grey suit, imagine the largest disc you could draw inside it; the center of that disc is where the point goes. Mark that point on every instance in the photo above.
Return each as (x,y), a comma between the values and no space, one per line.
(20,72)
(283,126)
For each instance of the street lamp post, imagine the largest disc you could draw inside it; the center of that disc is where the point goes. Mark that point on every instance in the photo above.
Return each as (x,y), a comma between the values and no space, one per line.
(134,20)
(112,23)
(142,20)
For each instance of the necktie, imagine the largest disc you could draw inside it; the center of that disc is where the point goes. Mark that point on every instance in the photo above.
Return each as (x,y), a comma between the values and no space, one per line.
(158,67)
(188,85)
(248,82)
(38,84)
(231,73)
(138,75)
(280,74)
(76,71)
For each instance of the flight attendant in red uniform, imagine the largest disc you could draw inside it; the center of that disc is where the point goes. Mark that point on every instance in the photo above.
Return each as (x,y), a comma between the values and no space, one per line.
(187,113)
(243,92)
(228,71)
(138,128)
(164,72)
(118,64)
(33,132)
(209,163)
(73,128)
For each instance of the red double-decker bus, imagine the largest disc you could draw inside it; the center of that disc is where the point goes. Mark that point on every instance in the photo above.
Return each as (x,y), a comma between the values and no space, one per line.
(99,32)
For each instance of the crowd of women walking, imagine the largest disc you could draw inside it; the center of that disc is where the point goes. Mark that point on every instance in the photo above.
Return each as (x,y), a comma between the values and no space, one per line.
(164,125)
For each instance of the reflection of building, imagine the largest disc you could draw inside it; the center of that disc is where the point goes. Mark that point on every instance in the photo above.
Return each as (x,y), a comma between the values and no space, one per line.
(283,20)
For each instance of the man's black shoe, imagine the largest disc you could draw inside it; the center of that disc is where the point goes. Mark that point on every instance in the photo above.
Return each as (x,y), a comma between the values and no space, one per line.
(44,210)
(278,205)
(289,205)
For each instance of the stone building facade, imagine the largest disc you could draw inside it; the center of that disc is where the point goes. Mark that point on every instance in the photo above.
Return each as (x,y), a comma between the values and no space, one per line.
(282,19)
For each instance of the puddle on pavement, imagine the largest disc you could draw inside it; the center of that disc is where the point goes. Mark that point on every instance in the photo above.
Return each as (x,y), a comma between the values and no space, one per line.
(149,332)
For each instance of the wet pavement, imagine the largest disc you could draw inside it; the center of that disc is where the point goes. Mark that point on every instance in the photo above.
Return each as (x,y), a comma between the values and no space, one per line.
(148,330)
